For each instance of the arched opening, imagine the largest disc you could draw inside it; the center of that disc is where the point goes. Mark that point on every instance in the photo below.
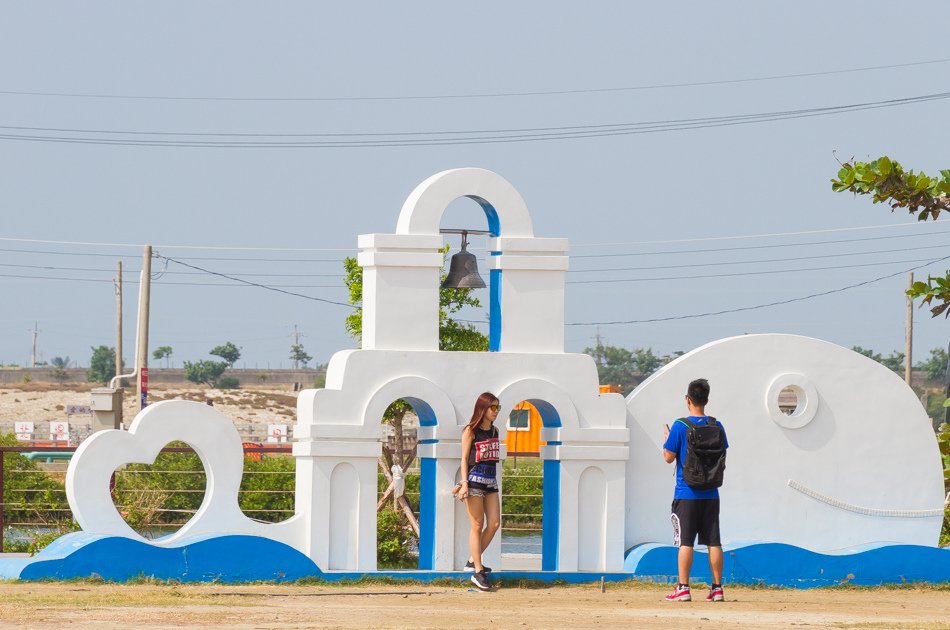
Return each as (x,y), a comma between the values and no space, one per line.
(530,488)
(403,514)
(467,306)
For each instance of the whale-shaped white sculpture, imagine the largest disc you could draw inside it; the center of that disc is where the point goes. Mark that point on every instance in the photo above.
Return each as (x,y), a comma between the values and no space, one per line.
(856,463)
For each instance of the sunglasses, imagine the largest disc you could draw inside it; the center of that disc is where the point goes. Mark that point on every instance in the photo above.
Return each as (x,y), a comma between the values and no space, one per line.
(495,407)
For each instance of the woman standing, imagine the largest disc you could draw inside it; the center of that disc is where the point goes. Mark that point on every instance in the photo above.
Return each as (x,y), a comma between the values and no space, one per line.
(479,490)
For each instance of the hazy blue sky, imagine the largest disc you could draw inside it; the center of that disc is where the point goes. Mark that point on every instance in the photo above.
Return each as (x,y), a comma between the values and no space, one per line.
(116,79)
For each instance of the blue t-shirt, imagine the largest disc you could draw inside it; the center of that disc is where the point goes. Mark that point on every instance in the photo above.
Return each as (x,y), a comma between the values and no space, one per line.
(676,443)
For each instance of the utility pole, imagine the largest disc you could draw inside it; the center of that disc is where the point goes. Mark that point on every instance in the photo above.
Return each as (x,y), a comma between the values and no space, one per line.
(296,335)
(35,332)
(118,318)
(909,331)
(142,350)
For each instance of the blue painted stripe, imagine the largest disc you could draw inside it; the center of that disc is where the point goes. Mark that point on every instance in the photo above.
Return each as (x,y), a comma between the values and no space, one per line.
(427,513)
(550,515)
(224,558)
(494,311)
(494,225)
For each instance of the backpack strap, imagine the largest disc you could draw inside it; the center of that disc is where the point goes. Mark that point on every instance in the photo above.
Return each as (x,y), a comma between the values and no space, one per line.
(689,423)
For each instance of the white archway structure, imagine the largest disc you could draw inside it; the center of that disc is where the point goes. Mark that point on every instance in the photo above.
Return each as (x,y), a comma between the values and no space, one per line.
(400,359)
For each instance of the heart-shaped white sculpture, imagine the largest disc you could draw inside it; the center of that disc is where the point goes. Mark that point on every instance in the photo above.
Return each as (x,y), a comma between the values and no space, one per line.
(213,437)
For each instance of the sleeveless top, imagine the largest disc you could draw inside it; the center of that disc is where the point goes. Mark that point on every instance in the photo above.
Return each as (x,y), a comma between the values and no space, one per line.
(482,459)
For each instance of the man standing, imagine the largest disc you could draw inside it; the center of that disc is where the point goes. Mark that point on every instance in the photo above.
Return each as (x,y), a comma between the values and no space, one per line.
(696,507)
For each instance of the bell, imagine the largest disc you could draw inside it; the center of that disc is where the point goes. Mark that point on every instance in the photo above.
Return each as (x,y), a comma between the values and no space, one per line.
(463,270)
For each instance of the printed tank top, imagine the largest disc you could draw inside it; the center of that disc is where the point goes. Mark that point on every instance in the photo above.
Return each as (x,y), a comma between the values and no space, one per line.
(482,458)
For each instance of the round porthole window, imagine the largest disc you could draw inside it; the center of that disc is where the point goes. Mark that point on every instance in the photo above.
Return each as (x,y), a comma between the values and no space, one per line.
(792,401)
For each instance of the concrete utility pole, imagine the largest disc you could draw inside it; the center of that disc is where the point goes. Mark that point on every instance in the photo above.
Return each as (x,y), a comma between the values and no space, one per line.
(296,335)
(141,353)
(909,331)
(118,322)
(36,331)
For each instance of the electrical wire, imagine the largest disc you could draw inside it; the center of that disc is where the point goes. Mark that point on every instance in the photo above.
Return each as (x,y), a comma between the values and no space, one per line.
(256,284)
(750,247)
(704,264)
(658,86)
(742,273)
(758,306)
(881,226)
(755,262)
(492,137)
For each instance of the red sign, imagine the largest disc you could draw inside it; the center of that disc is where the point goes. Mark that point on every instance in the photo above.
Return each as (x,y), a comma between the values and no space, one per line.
(144,401)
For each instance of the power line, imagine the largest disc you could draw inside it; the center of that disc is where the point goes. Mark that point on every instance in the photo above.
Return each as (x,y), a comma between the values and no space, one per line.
(135,272)
(202,247)
(742,273)
(657,86)
(770,246)
(255,284)
(132,272)
(756,262)
(490,137)
(912,224)
(759,306)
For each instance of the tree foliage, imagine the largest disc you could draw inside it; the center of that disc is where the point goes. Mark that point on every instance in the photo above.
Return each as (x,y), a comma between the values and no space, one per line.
(205,372)
(936,366)
(101,365)
(228,351)
(893,362)
(620,366)
(887,182)
(298,354)
(162,352)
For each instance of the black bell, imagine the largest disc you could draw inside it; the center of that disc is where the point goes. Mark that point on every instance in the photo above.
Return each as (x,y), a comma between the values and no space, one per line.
(463,270)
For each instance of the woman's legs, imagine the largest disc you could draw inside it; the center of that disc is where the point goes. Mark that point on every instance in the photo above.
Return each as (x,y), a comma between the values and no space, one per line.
(492,510)
(476,516)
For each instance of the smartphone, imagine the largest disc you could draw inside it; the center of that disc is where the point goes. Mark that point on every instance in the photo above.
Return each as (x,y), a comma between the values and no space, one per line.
(667,427)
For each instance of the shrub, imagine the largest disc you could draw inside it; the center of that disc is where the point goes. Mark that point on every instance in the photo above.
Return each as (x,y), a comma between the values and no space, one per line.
(227,382)
(394,541)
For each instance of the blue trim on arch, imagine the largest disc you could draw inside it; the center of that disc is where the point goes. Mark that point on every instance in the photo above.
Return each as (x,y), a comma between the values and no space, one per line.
(423,411)
(427,509)
(549,415)
(494,225)
(494,311)
(551,515)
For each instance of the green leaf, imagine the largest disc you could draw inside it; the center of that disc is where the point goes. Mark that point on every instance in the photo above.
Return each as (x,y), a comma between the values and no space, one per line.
(884,165)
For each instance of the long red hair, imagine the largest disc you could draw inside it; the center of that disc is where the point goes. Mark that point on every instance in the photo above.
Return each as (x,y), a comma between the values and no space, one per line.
(485,400)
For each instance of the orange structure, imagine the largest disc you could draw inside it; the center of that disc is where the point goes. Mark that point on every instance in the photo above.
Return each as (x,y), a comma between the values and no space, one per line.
(524,430)
(524,427)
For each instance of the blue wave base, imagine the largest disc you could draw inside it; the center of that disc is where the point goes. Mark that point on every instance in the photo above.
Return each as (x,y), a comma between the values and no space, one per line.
(777,564)
(231,559)
(202,559)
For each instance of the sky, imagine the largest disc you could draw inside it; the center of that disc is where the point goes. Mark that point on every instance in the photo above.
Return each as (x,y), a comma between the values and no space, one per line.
(258,139)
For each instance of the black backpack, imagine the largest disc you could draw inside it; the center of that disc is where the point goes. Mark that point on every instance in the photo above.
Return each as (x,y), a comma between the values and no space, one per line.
(705,454)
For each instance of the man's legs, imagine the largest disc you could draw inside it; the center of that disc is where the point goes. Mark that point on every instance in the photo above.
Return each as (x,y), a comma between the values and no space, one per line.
(684,562)
(715,564)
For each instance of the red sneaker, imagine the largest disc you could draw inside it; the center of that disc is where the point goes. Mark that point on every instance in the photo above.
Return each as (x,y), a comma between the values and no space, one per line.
(715,595)
(680,594)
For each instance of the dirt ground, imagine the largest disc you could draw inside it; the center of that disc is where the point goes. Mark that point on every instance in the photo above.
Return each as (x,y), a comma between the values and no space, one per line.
(48,401)
(90,605)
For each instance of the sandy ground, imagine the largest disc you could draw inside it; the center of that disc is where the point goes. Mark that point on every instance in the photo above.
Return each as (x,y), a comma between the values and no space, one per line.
(43,402)
(87,605)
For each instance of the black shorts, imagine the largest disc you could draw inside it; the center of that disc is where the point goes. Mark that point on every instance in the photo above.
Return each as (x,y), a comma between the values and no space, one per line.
(696,516)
